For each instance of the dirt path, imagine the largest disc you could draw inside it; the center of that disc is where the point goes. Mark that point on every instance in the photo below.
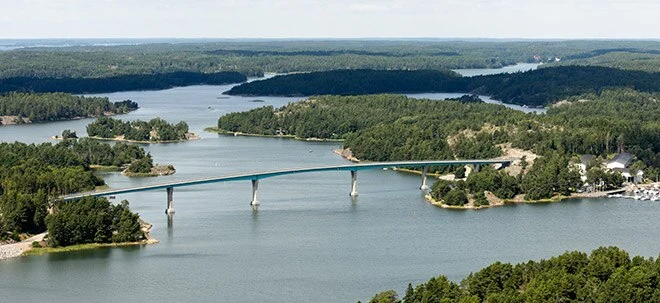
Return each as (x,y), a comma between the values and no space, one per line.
(16,249)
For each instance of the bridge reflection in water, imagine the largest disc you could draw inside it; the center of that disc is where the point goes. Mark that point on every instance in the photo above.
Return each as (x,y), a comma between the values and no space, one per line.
(254,177)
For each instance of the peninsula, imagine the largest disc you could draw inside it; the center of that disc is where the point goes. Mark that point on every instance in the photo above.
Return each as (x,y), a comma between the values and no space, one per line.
(24,108)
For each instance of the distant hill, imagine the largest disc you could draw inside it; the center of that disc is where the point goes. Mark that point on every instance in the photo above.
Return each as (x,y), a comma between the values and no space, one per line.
(533,88)
(117,83)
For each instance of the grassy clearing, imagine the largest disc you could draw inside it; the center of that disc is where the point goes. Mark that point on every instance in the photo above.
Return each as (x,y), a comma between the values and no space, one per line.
(52,250)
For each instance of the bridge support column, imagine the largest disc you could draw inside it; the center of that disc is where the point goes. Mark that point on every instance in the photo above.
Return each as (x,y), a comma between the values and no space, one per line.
(170,201)
(425,171)
(255,188)
(354,192)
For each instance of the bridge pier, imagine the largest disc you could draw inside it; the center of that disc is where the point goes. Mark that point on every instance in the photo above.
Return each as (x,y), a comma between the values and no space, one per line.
(255,188)
(354,192)
(425,171)
(170,201)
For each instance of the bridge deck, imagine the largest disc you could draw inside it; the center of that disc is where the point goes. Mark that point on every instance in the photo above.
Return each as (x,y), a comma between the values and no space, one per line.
(274,173)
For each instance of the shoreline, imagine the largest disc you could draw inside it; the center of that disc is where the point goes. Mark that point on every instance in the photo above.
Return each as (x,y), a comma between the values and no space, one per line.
(242,134)
(156,171)
(25,248)
(520,200)
(494,201)
(189,137)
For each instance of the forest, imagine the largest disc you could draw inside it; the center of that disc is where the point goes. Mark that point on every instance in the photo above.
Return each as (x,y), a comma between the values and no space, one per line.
(608,274)
(394,127)
(58,106)
(117,83)
(32,177)
(254,58)
(539,87)
(155,130)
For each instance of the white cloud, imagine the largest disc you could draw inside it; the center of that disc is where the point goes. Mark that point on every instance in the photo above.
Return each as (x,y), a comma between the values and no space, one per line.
(322,18)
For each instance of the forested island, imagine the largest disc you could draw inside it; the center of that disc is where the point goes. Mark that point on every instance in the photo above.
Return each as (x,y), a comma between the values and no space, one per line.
(33,177)
(254,58)
(20,108)
(155,130)
(539,87)
(117,83)
(608,274)
(394,128)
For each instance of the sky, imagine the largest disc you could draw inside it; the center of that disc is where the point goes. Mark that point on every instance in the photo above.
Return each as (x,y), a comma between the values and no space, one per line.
(612,19)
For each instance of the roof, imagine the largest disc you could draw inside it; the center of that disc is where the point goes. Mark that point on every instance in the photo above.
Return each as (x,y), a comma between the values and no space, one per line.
(586,159)
(623,158)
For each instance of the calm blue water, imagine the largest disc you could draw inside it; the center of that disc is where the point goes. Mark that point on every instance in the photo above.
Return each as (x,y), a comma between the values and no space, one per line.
(309,241)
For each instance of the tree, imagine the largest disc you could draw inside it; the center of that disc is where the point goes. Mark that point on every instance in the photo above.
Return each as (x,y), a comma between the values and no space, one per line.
(456,197)
(68,134)
(460,172)
(388,296)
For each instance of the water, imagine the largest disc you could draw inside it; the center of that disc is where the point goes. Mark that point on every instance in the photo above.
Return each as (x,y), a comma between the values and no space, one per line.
(519,67)
(309,241)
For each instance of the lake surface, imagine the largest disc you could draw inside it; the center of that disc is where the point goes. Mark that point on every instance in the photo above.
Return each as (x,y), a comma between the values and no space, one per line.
(519,67)
(309,241)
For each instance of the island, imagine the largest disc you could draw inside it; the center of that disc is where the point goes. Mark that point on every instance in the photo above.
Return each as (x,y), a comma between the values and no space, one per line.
(24,108)
(611,125)
(33,177)
(536,88)
(156,130)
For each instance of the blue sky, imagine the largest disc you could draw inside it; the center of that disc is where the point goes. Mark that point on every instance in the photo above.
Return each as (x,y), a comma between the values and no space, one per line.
(331,19)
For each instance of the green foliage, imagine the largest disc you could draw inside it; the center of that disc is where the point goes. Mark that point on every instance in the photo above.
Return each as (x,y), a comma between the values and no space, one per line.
(440,188)
(32,175)
(68,134)
(607,275)
(129,82)
(59,106)
(535,88)
(550,175)
(156,129)
(392,128)
(91,220)
(141,166)
(499,183)
(460,172)
(456,197)
(388,296)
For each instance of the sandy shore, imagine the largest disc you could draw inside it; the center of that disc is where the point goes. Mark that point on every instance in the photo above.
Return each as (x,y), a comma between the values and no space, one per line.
(16,249)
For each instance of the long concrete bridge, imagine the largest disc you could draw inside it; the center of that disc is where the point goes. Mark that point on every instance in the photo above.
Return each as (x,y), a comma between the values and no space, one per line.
(254,177)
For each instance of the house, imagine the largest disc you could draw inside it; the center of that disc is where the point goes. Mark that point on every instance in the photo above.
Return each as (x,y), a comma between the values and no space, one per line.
(620,161)
(585,160)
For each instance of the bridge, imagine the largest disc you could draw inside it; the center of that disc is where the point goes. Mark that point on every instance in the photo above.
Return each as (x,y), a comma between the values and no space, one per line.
(256,176)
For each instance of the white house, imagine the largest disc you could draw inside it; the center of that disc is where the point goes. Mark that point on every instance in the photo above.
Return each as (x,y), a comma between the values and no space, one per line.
(621,161)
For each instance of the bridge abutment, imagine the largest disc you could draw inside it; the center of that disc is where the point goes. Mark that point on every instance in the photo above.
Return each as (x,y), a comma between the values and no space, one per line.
(170,201)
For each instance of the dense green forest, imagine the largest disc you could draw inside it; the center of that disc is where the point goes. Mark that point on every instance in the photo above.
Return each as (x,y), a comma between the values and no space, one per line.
(393,127)
(92,220)
(534,88)
(155,130)
(255,58)
(117,83)
(608,274)
(33,176)
(58,106)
